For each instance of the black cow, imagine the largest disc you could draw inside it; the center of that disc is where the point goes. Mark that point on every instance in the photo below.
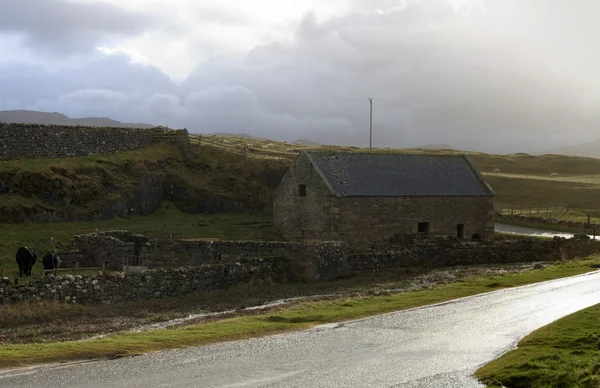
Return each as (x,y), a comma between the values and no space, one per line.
(26,258)
(51,261)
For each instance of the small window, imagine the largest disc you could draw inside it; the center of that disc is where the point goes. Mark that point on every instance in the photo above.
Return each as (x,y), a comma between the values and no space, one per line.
(460,231)
(423,227)
(302,190)
(476,237)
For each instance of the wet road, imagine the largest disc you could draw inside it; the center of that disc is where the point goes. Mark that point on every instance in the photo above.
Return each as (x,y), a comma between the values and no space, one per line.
(512,229)
(435,346)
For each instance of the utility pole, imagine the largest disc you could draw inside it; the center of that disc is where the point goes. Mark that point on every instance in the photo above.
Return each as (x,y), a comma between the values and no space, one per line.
(371,123)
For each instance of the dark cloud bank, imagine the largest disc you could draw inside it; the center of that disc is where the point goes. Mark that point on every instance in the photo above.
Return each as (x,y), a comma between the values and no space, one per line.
(504,80)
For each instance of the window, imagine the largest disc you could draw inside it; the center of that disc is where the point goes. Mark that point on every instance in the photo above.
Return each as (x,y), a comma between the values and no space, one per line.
(476,237)
(423,227)
(302,190)
(460,231)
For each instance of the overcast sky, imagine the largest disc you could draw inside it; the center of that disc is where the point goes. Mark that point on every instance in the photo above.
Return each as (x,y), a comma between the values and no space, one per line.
(492,75)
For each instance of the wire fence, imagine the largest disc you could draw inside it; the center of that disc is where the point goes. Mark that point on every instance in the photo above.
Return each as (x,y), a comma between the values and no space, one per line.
(563,212)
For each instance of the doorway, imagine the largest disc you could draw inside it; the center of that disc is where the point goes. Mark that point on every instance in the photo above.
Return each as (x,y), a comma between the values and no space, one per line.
(460,231)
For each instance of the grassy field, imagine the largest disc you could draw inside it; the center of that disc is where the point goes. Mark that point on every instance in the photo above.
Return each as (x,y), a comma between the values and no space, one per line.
(298,317)
(167,219)
(565,353)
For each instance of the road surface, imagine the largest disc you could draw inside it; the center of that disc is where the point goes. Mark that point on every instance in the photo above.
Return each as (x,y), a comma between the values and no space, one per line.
(512,229)
(435,346)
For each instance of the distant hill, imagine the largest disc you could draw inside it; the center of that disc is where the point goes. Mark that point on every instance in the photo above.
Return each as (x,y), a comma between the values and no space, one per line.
(590,150)
(436,147)
(230,134)
(36,117)
(307,142)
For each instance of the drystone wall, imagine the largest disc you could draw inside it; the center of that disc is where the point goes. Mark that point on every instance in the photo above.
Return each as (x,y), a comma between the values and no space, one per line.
(442,252)
(111,287)
(54,141)
(205,266)
(304,261)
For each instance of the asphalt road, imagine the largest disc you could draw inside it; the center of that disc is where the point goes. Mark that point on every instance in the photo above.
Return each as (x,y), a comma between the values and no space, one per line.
(512,229)
(435,346)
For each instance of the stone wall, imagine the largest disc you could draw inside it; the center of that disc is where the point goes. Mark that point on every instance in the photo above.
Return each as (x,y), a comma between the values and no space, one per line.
(222,264)
(55,141)
(304,261)
(442,252)
(109,287)
(320,215)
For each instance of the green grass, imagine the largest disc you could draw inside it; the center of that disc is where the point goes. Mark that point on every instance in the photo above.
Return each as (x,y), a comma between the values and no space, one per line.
(86,185)
(565,353)
(302,316)
(167,219)
(534,193)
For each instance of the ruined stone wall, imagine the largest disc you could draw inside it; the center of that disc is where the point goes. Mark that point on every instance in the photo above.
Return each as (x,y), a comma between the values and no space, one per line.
(442,252)
(362,220)
(304,261)
(303,217)
(55,141)
(110,287)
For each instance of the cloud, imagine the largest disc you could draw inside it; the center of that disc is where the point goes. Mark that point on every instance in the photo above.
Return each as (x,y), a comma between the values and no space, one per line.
(61,26)
(501,77)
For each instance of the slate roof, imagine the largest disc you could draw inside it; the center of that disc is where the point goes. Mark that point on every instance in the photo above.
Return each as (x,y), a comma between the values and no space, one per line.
(398,175)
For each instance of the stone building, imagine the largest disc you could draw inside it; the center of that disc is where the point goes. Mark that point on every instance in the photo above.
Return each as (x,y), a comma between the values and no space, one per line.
(364,197)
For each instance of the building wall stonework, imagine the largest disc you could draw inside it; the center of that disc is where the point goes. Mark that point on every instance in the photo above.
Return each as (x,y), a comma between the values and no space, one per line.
(303,217)
(363,220)
(360,221)
(56,141)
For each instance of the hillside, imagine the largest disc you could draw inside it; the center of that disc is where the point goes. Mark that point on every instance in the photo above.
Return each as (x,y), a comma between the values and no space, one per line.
(35,117)
(436,147)
(131,183)
(235,174)
(591,150)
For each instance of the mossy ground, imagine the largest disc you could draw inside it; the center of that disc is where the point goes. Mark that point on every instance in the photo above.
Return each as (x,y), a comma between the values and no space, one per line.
(564,354)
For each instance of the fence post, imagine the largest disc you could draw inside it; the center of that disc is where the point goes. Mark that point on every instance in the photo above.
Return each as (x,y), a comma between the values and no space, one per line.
(589,218)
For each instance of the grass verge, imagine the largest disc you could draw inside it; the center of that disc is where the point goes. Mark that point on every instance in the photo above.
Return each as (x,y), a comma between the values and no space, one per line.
(301,316)
(562,354)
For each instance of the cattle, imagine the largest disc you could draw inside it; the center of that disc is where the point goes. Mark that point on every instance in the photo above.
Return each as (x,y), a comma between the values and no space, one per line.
(51,261)
(26,258)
